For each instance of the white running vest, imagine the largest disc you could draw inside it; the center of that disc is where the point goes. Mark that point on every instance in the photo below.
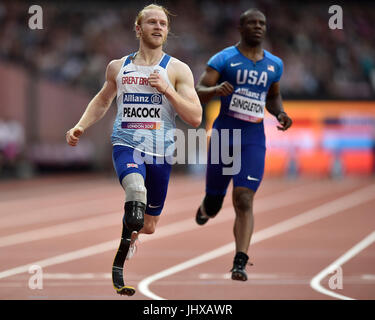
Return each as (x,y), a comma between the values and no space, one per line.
(145,119)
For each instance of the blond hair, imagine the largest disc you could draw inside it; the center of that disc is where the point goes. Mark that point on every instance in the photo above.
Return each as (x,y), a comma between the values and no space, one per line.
(138,19)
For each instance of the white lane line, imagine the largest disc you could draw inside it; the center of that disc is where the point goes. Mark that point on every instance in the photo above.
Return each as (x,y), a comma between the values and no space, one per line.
(52,188)
(368,277)
(54,212)
(104,220)
(12,215)
(62,229)
(253,276)
(330,208)
(74,255)
(34,214)
(263,204)
(162,231)
(68,276)
(77,276)
(315,282)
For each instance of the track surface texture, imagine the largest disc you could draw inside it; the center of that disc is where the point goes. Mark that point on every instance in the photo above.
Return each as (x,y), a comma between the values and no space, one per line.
(313,239)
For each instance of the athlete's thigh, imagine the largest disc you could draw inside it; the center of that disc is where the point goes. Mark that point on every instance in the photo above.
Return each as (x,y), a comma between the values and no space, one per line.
(157,180)
(216,181)
(252,167)
(125,161)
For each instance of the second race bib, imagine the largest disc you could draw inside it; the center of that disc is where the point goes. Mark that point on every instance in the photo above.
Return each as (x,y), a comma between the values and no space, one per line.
(246,105)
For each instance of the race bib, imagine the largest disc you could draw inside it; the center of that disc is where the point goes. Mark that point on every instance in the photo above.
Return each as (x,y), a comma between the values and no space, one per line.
(247,105)
(141,111)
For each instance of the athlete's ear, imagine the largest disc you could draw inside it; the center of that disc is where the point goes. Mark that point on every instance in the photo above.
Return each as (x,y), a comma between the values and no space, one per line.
(240,29)
(138,30)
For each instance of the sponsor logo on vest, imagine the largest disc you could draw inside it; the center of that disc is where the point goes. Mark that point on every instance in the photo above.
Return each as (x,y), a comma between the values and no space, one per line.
(142,98)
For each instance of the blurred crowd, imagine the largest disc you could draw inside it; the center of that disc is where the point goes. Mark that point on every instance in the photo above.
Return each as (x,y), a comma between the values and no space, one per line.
(79,38)
(12,141)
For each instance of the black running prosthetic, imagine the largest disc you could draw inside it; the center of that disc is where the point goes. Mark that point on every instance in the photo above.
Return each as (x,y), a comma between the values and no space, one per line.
(134,215)
(133,220)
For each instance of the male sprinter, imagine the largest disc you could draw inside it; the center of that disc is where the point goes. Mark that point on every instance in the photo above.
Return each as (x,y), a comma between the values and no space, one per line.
(246,77)
(151,89)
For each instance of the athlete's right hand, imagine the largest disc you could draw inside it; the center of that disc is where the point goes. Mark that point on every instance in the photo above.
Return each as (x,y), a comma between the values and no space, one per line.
(72,135)
(224,89)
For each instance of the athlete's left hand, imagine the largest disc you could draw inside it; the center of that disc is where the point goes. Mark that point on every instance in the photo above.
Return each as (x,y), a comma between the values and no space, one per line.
(285,121)
(156,81)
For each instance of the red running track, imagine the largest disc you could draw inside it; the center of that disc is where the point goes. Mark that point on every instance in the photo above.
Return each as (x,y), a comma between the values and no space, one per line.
(70,226)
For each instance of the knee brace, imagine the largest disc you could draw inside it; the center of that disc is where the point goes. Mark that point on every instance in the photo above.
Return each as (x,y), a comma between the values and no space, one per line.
(134,186)
(134,215)
(212,204)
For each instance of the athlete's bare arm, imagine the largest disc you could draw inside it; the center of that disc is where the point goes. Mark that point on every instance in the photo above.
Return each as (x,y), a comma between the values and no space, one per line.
(98,106)
(274,105)
(183,97)
(207,86)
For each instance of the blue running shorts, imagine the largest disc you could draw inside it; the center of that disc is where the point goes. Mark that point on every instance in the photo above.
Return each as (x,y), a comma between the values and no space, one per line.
(127,160)
(252,161)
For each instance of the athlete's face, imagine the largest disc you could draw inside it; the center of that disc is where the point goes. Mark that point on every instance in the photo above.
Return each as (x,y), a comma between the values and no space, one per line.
(253,28)
(153,29)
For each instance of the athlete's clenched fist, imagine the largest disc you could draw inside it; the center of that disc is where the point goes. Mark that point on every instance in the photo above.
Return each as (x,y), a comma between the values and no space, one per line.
(156,81)
(72,135)
(224,89)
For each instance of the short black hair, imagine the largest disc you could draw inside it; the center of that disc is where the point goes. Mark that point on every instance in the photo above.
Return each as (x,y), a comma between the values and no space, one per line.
(247,12)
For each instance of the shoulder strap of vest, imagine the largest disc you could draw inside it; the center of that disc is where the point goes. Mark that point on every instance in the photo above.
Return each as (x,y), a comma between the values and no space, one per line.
(164,62)
(128,59)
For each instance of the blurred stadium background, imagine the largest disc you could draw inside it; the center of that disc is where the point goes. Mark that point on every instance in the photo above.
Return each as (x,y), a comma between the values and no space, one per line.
(48,76)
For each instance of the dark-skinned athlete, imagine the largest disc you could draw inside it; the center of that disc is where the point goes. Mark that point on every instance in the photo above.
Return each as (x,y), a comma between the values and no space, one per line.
(247,79)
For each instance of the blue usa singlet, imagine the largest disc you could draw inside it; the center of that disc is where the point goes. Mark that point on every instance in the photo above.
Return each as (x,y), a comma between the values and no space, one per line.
(244,108)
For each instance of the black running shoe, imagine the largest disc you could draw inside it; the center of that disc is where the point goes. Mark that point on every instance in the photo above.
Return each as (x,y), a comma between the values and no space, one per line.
(199,218)
(239,266)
